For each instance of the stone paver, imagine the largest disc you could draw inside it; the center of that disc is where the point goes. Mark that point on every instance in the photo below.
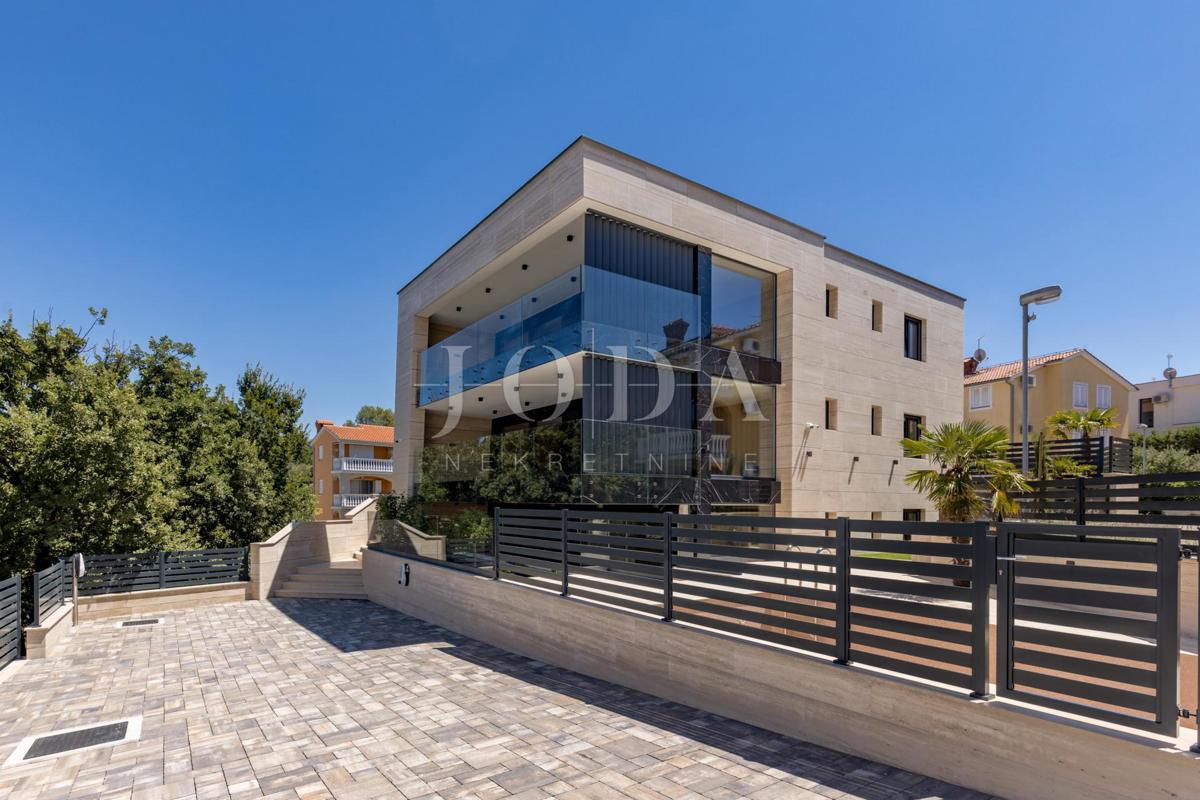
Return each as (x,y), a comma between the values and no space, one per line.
(348,700)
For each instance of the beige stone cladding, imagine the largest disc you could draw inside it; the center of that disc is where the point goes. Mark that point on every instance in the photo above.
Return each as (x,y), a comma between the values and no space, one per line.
(842,358)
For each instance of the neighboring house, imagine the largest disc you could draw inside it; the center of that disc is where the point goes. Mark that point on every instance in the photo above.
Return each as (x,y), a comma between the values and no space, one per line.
(608,260)
(1072,379)
(1165,404)
(351,463)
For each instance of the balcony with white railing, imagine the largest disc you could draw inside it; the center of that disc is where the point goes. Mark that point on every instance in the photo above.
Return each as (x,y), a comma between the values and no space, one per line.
(351,500)
(374,466)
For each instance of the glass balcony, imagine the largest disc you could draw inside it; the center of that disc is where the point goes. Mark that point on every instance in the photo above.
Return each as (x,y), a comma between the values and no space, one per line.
(585,309)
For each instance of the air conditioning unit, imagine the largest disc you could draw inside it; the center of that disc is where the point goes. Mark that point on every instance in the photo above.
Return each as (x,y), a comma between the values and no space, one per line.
(751,346)
(1162,397)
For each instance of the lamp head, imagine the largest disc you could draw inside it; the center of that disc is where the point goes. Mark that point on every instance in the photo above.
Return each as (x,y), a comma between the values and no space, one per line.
(1047,294)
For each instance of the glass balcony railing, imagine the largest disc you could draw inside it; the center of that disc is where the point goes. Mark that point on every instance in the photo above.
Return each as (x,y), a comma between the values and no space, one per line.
(585,309)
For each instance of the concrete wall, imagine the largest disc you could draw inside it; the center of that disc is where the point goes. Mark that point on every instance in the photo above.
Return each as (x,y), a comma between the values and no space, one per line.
(158,601)
(44,640)
(303,543)
(992,747)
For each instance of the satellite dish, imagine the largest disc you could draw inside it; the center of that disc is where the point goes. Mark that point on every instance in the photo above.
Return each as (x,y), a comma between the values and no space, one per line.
(979,355)
(1169,373)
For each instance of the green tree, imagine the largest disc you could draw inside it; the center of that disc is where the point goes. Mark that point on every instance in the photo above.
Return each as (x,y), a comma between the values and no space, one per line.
(960,455)
(373,415)
(1088,423)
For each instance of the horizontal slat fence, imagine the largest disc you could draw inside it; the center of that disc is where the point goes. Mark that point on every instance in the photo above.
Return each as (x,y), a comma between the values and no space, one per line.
(50,588)
(133,572)
(1153,499)
(10,619)
(919,599)
(1112,455)
(1091,627)
(772,579)
(1092,621)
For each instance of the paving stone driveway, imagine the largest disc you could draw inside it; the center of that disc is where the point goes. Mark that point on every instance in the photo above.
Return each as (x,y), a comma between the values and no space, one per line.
(345,699)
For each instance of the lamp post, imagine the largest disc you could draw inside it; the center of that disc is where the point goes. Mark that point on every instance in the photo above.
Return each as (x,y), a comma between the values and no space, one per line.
(1145,431)
(1047,294)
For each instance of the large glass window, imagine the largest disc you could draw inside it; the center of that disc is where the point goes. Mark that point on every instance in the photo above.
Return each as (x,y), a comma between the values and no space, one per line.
(743,308)
(743,430)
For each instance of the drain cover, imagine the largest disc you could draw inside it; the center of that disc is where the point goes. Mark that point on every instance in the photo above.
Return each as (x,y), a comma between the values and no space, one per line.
(136,622)
(74,740)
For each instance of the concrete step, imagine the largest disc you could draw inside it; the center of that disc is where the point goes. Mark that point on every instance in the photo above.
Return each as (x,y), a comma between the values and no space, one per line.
(329,574)
(304,583)
(328,594)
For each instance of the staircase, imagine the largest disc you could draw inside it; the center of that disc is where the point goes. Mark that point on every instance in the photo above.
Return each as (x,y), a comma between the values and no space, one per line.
(341,580)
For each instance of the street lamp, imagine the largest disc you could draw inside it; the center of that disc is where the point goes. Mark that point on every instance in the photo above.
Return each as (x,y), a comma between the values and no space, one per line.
(1047,294)
(1145,435)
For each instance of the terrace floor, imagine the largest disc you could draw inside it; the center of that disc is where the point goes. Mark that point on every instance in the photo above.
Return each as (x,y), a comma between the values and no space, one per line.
(349,700)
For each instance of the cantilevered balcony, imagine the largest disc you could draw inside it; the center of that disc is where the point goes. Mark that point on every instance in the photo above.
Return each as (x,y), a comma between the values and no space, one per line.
(586,309)
(363,466)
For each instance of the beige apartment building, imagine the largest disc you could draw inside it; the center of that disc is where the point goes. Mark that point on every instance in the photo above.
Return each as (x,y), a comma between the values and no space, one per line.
(1070,379)
(351,464)
(795,366)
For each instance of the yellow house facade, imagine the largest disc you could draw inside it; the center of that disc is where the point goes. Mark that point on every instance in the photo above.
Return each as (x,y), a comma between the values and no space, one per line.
(351,464)
(1071,379)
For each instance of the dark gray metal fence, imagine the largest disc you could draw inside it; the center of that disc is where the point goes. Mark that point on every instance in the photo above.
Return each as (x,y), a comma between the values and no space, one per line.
(1091,627)
(908,597)
(50,589)
(1113,455)
(10,619)
(132,572)
(1152,499)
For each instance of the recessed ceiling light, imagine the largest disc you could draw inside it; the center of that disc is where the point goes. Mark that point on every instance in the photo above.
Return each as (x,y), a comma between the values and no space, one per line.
(480,399)
(570,237)
(487,290)
(458,308)
(524,266)
(533,300)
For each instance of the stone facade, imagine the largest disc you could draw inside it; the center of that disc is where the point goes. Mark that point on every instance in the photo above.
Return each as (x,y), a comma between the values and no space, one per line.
(849,470)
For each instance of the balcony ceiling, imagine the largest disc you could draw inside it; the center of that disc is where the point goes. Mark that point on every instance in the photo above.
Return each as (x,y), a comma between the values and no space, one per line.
(533,388)
(548,254)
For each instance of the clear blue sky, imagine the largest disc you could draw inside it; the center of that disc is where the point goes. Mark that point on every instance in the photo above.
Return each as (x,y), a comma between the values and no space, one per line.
(259,179)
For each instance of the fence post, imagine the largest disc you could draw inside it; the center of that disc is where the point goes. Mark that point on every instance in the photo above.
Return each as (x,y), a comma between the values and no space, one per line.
(496,543)
(562,527)
(983,571)
(841,584)
(162,570)
(668,564)
(37,601)
(1080,516)
(1195,748)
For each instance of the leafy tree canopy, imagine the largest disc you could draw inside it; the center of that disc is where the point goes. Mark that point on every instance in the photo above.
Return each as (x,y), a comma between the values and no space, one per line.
(105,449)
(373,415)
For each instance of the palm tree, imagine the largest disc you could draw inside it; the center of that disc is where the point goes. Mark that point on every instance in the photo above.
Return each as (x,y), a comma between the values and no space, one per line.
(1089,423)
(962,454)
(1063,423)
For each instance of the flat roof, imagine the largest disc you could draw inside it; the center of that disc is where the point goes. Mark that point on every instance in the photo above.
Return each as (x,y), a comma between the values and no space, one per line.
(795,228)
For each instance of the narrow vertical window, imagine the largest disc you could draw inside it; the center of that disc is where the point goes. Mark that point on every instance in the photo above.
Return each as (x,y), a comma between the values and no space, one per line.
(321,486)
(1146,411)
(831,301)
(914,335)
(912,426)
(1103,396)
(830,414)
(876,316)
(877,420)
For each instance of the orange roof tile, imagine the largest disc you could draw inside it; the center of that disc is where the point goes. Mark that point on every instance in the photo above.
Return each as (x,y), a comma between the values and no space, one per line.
(1011,369)
(381,434)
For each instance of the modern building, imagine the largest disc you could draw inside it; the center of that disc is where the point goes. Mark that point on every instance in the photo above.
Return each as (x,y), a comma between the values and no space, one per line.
(351,464)
(615,334)
(1071,379)
(1169,403)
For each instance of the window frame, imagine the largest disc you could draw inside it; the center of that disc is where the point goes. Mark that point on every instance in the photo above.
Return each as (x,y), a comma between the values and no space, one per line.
(971,404)
(915,419)
(831,301)
(1146,404)
(877,316)
(1075,394)
(877,420)
(1107,389)
(831,414)
(914,344)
